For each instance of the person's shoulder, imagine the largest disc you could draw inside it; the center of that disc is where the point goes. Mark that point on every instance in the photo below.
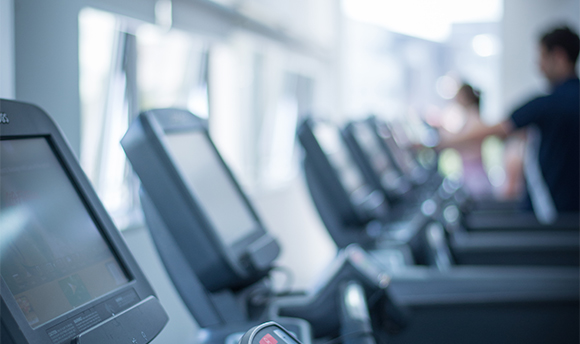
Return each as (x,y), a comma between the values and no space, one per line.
(574,82)
(568,93)
(569,85)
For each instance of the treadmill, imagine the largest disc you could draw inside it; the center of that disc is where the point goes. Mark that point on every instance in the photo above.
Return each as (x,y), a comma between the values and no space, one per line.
(214,246)
(336,185)
(67,275)
(396,177)
(473,215)
(179,168)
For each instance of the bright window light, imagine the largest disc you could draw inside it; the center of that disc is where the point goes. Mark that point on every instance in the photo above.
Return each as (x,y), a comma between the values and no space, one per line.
(171,69)
(105,58)
(164,14)
(281,146)
(425,19)
(485,45)
(97,30)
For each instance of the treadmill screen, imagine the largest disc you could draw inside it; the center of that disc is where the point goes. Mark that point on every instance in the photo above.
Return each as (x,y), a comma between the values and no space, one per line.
(370,145)
(331,143)
(403,158)
(52,256)
(209,182)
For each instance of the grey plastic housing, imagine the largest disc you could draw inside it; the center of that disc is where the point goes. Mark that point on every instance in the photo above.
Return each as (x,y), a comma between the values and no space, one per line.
(142,312)
(217,264)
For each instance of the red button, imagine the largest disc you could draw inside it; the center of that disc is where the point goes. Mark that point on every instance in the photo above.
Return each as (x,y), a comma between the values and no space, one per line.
(268,339)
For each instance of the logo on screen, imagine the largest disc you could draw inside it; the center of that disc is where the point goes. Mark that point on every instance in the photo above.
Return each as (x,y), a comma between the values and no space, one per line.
(4,118)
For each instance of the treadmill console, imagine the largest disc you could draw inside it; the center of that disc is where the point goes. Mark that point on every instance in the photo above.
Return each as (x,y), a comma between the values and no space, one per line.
(328,156)
(380,170)
(198,199)
(67,275)
(403,159)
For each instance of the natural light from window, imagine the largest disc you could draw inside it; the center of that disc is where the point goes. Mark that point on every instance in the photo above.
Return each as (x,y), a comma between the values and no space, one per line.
(427,19)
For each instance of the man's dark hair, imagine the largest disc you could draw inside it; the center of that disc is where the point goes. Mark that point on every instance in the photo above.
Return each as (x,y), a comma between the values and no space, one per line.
(563,38)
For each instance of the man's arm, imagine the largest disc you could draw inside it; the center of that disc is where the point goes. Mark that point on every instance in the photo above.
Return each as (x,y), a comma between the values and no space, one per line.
(476,132)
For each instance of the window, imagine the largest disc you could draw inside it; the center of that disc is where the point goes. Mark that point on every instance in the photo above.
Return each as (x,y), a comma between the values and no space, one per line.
(127,67)
(252,88)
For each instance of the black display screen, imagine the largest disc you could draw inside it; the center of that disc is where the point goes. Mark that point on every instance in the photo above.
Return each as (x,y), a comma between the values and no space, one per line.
(331,143)
(53,258)
(368,142)
(208,180)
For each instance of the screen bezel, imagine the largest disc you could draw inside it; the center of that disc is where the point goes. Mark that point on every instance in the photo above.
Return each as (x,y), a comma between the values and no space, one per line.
(326,174)
(40,332)
(238,249)
(199,143)
(344,151)
(364,148)
(376,126)
(392,148)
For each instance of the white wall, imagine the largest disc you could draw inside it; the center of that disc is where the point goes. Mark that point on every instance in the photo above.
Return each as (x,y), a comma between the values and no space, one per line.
(523,23)
(46,45)
(6,49)
(46,54)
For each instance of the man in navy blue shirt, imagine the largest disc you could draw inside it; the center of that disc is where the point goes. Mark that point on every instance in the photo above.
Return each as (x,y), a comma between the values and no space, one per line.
(552,161)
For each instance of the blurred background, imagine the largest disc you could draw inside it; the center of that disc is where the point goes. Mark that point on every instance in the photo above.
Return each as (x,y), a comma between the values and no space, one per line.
(254,68)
